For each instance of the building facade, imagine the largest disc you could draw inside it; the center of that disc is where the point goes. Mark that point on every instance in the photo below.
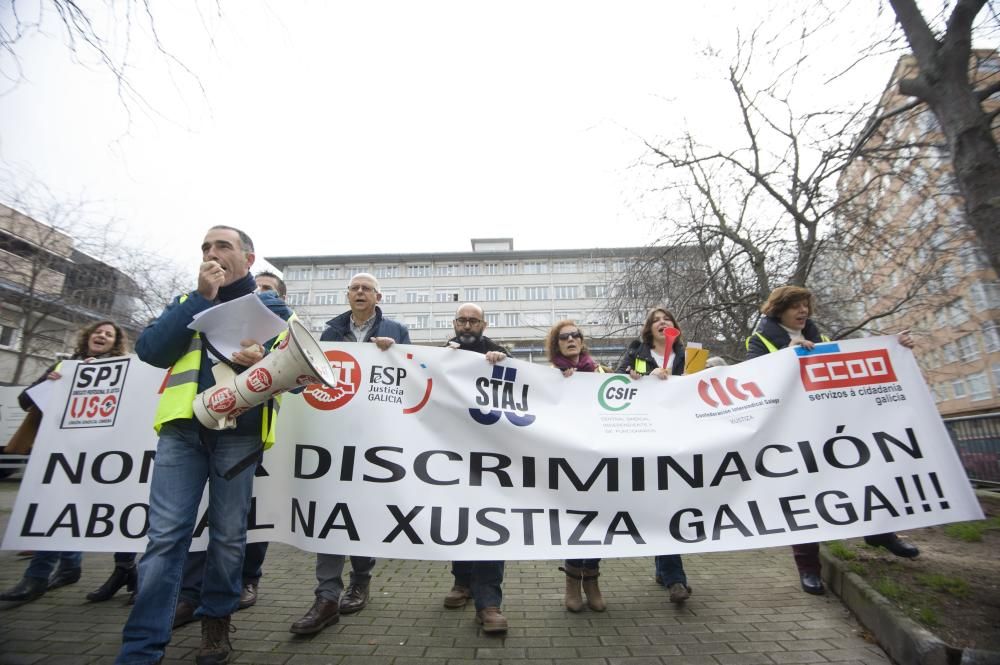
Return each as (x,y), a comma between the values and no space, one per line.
(48,290)
(523,293)
(933,278)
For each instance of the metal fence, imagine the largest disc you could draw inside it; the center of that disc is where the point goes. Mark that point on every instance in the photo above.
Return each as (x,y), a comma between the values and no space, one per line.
(977,440)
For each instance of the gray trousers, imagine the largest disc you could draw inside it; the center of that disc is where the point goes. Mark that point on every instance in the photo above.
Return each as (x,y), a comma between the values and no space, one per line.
(330,571)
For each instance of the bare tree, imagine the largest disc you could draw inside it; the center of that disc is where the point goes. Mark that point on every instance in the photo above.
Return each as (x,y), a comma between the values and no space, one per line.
(59,275)
(770,208)
(107,34)
(950,81)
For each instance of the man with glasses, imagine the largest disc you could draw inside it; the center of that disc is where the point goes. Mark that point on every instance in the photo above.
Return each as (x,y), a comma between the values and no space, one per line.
(362,323)
(480,580)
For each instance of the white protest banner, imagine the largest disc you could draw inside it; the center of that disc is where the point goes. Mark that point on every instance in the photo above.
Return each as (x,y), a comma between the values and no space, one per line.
(433,453)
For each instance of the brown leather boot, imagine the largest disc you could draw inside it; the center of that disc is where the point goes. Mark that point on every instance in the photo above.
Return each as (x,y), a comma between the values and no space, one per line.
(323,613)
(593,591)
(574,599)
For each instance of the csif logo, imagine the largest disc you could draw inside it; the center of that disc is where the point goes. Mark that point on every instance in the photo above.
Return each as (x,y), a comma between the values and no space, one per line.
(715,394)
(616,394)
(844,370)
(347,379)
(497,392)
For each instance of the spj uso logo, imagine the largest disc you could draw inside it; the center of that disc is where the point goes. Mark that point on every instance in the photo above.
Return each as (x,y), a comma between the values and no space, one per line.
(347,379)
(96,394)
(500,396)
(616,394)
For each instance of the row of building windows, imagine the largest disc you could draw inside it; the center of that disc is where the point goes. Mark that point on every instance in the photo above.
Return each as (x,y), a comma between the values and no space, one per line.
(469,294)
(976,387)
(966,348)
(390,271)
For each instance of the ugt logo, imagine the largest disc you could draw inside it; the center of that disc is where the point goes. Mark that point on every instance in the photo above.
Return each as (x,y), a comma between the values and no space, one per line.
(712,390)
(498,392)
(347,378)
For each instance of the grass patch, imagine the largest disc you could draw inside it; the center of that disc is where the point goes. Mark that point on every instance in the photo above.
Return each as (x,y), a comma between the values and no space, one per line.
(889,588)
(838,549)
(927,616)
(971,532)
(856,568)
(946,584)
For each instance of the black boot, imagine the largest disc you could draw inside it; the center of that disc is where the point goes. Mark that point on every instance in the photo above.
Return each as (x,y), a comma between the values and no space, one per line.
(124,575)
(63,577)
(29,588)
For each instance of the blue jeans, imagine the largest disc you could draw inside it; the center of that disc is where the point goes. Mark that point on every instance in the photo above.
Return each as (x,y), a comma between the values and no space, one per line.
(670,570)
(43,563)
(183,465)
(483,579)
(194,571)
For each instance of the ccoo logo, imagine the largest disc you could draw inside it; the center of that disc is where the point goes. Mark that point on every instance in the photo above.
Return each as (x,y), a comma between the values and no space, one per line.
(713,393)
(347,379)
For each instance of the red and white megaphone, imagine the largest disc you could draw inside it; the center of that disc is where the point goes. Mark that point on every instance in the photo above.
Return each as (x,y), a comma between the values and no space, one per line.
(298,361)
(671,334)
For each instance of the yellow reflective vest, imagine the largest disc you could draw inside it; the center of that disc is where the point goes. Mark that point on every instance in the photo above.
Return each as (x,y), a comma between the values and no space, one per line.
(180,387)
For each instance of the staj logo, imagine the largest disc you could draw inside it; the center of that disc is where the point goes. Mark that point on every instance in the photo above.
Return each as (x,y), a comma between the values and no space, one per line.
(498,392)
(347,379)
(713,393)
(844,370)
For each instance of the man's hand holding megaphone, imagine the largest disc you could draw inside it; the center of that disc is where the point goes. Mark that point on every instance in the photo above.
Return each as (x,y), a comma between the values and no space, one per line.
(297,361)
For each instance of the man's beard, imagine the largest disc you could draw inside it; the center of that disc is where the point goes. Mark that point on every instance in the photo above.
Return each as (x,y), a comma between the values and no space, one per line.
(469,338)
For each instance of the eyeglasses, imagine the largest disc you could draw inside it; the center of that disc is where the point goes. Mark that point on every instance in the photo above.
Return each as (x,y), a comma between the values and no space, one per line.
(462,321)
(570,335)
(363,288)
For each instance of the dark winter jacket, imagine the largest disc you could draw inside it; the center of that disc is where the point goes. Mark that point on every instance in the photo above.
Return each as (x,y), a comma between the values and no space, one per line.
(770,328)
(639,349)
(166,339)
(483,346)
(338,329)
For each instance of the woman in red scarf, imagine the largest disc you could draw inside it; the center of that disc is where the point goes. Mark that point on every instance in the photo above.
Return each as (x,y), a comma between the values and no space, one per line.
(568,352)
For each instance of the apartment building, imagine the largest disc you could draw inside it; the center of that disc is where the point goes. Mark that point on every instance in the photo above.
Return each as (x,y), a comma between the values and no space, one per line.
(48,290)
(523,292)
(919,260)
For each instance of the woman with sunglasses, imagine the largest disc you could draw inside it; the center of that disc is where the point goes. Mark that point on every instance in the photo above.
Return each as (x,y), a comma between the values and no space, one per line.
(568,353)
(646,356)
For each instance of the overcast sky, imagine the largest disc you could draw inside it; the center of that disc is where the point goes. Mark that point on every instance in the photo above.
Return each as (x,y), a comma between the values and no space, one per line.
(395,126)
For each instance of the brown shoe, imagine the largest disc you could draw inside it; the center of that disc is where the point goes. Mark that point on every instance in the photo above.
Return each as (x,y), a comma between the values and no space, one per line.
(679,592)
(215,645)
(457,597)
(492,620)
(184,613)
(323,613)
(248,596)
(354,599)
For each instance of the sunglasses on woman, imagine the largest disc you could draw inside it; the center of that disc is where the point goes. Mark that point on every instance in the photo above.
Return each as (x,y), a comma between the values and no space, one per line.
(570,335)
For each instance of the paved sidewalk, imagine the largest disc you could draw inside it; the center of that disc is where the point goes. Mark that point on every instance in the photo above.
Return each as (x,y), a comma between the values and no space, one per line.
(746,609)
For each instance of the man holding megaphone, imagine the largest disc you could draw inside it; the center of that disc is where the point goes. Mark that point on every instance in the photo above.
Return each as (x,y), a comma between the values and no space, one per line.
(189,455)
